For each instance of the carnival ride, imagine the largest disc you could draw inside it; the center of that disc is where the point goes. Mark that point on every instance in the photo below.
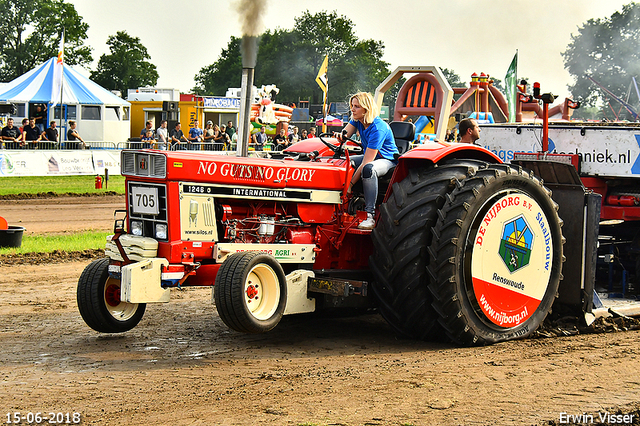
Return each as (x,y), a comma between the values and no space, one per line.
(269,114)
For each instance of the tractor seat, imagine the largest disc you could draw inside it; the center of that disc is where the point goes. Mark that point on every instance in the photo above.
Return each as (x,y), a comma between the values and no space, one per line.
(403,132)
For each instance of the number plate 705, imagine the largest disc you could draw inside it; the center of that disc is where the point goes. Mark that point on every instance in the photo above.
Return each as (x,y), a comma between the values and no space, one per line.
(145,200)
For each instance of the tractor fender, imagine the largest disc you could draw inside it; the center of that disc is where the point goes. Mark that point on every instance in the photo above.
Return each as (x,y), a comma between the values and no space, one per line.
(435,152)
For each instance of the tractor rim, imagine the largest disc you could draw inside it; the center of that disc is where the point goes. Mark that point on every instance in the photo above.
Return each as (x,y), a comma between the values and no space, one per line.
(262,292)
(503,306)
(122,311)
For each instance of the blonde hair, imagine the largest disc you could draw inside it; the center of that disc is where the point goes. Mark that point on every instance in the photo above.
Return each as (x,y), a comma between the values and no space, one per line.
(366,101)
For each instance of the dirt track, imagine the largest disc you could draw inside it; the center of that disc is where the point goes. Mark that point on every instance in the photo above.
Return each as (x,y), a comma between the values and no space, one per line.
(181,365)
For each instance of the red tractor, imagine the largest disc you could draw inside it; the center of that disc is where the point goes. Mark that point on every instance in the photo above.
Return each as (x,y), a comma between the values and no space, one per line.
(465,246)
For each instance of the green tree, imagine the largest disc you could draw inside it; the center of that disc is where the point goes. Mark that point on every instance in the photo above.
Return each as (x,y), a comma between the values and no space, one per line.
(291,60)
(453,78)
(222,74)
(127,66)
(31,30)
(607,50)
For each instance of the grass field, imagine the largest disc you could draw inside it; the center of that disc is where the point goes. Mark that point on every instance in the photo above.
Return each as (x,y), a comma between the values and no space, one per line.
(49,243)
(58,184)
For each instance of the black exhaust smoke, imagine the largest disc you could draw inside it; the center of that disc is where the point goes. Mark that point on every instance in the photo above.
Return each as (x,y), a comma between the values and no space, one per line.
(251,19)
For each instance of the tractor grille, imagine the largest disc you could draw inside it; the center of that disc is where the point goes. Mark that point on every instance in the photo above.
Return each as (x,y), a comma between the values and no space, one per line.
(148,219)
(144,164)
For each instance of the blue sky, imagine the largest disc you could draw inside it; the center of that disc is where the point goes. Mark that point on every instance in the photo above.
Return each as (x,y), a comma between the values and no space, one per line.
(464,35)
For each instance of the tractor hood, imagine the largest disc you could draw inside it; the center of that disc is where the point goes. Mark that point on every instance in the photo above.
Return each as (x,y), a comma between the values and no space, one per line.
(326,174)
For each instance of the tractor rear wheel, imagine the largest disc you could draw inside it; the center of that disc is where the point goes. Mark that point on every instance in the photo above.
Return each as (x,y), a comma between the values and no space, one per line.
(401,238)
(496,256)
(250,292)
(99,303)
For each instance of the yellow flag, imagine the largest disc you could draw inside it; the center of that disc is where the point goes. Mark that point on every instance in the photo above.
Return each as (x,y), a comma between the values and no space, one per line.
(321,79)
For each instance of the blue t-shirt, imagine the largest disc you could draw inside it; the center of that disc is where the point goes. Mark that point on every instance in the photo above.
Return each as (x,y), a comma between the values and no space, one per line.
(195,133)
(377,136)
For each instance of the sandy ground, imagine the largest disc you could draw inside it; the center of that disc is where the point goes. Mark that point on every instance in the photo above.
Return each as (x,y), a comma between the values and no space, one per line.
(182,365)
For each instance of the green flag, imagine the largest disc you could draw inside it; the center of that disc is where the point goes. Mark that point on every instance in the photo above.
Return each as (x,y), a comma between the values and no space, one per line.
(510,87)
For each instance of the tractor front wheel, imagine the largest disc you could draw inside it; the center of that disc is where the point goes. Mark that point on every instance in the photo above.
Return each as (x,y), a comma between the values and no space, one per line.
(99,303)
(250,292)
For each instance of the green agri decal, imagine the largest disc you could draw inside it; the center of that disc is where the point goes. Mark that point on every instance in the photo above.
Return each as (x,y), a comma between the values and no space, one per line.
(6,164)
(516,243)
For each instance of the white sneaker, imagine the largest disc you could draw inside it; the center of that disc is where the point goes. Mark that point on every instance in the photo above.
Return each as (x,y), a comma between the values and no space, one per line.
(368,223)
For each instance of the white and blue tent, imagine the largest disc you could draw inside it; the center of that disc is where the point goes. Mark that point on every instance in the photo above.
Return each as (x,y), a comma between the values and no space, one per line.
(101,115)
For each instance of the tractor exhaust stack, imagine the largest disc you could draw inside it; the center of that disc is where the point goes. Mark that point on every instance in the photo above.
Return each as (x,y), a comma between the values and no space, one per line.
(249,55)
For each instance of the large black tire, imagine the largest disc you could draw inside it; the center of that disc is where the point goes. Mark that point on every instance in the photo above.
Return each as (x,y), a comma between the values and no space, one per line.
(401,239)
(99,301)
(496,257)
(250,292)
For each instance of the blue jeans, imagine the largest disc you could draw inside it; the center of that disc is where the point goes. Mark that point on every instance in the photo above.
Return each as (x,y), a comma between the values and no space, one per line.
(370,173)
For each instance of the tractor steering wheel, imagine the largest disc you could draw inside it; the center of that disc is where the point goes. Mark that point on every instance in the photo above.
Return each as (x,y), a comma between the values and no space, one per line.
(339,149)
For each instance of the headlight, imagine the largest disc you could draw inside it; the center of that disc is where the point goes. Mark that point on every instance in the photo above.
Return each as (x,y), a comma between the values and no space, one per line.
(161,231)
(136,228)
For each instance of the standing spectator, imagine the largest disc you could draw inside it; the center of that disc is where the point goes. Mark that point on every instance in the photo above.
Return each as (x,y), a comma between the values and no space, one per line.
(259,139)
(226,139)
(149,126)
(148,140)
(294,136)
(11,134)
(449,136)
(162,135)
(469,131)
(25,123)
(73,136)
(32,134)
(312,132)
(209,134)
(51,135)
(177,136)
(280,140)
(234,141)
(52,132)
(303,134)
(41,116)
(195,135)
(230,130)
(219,138)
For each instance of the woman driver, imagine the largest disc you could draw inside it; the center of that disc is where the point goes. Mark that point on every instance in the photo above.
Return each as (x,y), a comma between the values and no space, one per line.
(379,148)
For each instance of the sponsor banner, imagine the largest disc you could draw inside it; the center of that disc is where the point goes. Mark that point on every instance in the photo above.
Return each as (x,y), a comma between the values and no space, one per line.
(104,159)
(222,103)
(512,259)
(602,151)
(52,162)
(45,163)
(69,163)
